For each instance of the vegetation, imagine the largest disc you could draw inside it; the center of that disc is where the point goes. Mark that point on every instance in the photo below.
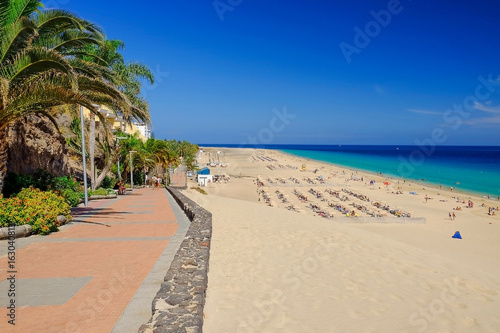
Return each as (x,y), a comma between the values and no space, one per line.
(36,208)
(154,157)
(100,191)
(199,189)
(50,58)
(52,61)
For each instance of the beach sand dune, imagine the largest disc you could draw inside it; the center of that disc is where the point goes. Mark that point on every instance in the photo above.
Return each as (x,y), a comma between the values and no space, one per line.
(274,270)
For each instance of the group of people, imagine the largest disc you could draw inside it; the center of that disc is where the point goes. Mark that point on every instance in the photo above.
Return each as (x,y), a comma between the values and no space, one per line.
(156,182)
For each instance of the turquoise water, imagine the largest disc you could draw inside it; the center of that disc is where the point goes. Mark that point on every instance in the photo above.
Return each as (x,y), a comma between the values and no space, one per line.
(469,173)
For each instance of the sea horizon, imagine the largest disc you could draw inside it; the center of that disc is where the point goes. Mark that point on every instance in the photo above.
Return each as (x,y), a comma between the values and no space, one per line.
(467,168)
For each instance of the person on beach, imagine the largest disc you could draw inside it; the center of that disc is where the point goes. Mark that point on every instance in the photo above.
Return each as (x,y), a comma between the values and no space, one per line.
(449,214)
(453,215)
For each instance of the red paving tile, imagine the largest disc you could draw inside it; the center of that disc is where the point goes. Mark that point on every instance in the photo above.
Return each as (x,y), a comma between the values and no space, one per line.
(116,263)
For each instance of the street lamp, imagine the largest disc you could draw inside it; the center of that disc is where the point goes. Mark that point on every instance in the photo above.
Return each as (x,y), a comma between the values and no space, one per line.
(118,138)
(132,169)
(83,158)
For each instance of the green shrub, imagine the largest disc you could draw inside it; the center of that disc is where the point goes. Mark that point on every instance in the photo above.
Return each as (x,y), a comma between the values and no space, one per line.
(68,188)
(72,198)
(99,191)
(14,183)
(108,182)
(34,207)
(65,183)
(41,179)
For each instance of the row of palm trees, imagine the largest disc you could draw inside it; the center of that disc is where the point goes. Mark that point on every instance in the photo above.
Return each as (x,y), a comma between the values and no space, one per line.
(154,157)
(51,58)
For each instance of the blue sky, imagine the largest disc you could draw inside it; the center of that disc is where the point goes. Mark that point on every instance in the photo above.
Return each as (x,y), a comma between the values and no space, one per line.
(313,72)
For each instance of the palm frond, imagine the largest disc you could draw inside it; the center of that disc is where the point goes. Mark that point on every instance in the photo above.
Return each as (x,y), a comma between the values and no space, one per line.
(31,61)
(56,21)
(68,41)
(16,36)
(14,10)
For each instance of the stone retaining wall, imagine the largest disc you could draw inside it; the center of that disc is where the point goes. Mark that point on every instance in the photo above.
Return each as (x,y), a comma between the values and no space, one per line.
(178,306)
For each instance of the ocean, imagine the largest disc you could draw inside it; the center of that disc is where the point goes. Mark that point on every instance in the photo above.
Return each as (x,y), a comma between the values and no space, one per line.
(473,169)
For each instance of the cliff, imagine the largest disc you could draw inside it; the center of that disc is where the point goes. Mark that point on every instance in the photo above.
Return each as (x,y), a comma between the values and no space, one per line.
(35,143)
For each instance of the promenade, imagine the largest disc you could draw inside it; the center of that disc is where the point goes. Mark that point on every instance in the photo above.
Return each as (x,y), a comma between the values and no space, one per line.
(100,272)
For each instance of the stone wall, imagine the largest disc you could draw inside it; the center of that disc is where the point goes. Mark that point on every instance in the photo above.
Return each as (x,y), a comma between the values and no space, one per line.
(178,306)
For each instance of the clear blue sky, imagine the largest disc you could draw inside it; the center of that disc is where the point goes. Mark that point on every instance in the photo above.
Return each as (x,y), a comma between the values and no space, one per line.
(218,81)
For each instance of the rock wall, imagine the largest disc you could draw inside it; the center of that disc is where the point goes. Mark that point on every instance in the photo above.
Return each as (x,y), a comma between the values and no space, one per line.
(178,306)
(34,143)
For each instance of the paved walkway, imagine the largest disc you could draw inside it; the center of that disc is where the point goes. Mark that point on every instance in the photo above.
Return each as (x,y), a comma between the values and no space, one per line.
(101,272)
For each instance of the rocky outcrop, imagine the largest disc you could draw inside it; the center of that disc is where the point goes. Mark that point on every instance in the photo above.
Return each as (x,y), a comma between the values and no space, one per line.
(35,143)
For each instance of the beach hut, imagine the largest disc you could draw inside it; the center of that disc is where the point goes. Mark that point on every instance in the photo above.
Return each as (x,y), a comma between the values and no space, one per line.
(204,177)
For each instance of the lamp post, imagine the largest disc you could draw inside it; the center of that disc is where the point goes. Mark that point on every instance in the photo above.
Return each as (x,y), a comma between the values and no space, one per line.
(83,158)
(118,138)
(132,169)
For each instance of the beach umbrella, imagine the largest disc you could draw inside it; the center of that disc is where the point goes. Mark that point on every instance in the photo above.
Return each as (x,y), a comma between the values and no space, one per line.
(386,183)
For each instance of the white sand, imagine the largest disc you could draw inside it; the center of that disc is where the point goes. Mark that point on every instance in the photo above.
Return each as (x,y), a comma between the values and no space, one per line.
(274,270)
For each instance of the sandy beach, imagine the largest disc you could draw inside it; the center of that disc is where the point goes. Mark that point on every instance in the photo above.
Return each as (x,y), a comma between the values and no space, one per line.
(322,250)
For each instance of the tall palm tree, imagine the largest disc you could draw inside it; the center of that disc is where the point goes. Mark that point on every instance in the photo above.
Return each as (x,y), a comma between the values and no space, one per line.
(126,78)
(32,78)
(42,66)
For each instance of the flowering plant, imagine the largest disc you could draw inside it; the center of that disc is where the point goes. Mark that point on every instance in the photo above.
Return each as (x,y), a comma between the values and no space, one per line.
(36,208)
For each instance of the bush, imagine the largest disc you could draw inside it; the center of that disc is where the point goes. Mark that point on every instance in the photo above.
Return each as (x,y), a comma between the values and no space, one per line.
(14,183)
(65,186)
(72,198)
(36,208)
(108,182)
(68,188)
(65,183)
(99,191)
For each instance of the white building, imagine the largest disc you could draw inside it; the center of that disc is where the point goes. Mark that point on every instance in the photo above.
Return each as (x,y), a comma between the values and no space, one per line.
(204,180)
(144,130)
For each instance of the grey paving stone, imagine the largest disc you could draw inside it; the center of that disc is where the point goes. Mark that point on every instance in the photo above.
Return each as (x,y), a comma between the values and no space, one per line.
(43,291)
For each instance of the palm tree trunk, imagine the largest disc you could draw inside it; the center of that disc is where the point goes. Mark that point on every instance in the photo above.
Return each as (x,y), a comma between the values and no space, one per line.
(92,151)
(103,174)
(3,156)
(107,168)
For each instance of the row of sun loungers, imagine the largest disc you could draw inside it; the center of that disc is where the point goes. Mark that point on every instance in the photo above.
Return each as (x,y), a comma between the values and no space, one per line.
(281,196)
(265,198)
(309,180)
(263,158)
(221,179)
(359,207)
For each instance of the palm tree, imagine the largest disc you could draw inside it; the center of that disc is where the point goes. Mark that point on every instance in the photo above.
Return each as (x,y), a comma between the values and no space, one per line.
(43,65)
(33,78)
(126,78)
